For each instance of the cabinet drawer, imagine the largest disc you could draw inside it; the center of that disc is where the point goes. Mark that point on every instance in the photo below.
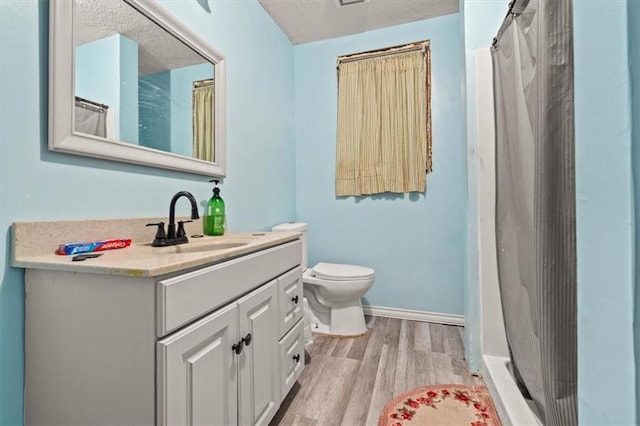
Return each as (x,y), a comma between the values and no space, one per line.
(290,300)
(184,298)
(291,358)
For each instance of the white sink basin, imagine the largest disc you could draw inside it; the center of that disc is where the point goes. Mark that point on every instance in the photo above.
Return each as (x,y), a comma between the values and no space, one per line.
(202,245)
(208,246)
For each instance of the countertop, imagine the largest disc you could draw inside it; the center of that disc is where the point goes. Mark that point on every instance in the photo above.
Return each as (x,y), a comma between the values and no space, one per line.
(33,245)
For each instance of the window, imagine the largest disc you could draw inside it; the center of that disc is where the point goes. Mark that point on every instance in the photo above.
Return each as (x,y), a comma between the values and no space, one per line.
(384,121)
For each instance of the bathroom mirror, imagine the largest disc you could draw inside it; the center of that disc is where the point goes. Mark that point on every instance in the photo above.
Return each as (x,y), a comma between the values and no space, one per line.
(129,82)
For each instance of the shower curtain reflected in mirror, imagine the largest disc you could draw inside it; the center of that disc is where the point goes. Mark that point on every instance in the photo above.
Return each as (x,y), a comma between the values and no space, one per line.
(91,118)
(535,207)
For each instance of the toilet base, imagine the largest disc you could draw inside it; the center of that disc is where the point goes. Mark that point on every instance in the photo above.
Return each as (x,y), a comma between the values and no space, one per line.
(338,336)
(346,319)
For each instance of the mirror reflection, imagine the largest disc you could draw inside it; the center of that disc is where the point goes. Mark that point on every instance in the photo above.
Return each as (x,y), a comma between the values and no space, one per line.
(137,83)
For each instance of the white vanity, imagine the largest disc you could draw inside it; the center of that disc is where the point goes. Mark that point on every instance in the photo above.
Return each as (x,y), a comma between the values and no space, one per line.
(209,332)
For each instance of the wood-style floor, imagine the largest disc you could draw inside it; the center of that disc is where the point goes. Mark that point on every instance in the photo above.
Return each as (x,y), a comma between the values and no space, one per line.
(347,381)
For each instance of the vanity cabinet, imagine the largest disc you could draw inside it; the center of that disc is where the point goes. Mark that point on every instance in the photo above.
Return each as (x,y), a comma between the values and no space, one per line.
(199,370)
(221,344)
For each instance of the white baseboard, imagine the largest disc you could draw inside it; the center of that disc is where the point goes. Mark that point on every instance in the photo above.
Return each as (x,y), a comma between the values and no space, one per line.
(408,314)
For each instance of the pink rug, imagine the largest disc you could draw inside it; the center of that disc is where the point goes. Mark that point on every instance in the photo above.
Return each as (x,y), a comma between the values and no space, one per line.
(441,405)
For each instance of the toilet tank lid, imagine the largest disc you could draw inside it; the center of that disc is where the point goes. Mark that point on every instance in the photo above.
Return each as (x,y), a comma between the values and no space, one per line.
(290,227)
(342,272)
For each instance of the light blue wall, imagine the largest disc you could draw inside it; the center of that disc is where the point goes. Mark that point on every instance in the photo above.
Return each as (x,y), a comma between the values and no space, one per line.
(482,18)
(107,72)
(415,243)
(38,184)
(604,191)
(634,67)
(95,61)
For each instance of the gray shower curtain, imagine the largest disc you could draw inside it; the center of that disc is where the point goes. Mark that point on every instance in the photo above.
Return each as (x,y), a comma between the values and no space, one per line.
(90,118)
(535,207)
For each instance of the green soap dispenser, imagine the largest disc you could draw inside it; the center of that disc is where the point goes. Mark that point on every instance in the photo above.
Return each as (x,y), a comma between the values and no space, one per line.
(213,220)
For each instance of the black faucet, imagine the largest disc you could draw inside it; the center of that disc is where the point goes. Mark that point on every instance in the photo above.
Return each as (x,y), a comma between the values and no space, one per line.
(172,238)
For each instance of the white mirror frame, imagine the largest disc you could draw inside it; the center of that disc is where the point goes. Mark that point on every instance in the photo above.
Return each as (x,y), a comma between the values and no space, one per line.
(61,96)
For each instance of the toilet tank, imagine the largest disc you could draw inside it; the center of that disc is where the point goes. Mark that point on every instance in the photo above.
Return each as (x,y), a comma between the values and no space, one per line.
(296,227)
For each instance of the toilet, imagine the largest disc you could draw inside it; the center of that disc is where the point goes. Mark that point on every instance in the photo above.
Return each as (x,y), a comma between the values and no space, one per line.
(332,292)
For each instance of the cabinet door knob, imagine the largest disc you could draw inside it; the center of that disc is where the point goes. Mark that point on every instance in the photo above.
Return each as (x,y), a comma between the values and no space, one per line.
(296,357)
(237,347)
(295,300)
(247,339)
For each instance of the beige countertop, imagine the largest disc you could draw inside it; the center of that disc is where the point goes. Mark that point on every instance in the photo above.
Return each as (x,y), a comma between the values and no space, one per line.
(33,245)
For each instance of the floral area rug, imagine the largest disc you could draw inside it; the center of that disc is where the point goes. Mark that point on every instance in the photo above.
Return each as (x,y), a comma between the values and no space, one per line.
(441,405)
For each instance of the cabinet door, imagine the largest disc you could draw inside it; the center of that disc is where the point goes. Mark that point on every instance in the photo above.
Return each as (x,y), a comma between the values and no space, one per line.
(290,300)
(259,366)
(197,372)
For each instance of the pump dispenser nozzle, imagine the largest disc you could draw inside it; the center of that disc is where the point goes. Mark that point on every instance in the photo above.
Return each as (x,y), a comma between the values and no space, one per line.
(216,190)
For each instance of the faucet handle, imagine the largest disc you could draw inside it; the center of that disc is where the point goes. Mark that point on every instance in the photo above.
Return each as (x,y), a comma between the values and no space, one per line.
(181,232)
(161,235)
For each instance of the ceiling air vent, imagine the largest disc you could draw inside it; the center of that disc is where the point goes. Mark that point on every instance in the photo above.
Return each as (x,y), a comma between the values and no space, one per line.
(350,2)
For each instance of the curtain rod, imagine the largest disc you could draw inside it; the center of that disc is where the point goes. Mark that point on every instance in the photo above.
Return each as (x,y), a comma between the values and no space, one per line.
(418,45)
(87,101)
(202,83)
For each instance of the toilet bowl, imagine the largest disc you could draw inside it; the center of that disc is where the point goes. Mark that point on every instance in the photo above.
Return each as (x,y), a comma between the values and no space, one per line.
(332,292)
(338,288)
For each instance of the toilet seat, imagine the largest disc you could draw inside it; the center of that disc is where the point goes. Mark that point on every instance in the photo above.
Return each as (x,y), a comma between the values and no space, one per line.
(341,272)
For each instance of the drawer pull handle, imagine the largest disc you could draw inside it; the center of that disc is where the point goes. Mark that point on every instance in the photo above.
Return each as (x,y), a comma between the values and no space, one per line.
(247,339)
(295,300)
(296,357)
(237,347)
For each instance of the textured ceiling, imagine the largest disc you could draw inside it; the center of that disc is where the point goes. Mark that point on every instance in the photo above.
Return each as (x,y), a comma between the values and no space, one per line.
(304,21)
(301,20)
(157,49)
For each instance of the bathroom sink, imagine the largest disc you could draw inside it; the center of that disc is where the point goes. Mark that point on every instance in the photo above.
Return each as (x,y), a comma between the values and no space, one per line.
(199,246)
(208,246)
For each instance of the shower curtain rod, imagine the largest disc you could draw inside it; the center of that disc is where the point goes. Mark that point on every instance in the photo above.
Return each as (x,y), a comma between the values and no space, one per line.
(87,101)
(512,12)
(418,45)
(203,83)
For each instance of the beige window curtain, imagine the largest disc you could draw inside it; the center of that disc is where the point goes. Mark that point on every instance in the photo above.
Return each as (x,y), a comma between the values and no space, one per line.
(203,131)
(384,125)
